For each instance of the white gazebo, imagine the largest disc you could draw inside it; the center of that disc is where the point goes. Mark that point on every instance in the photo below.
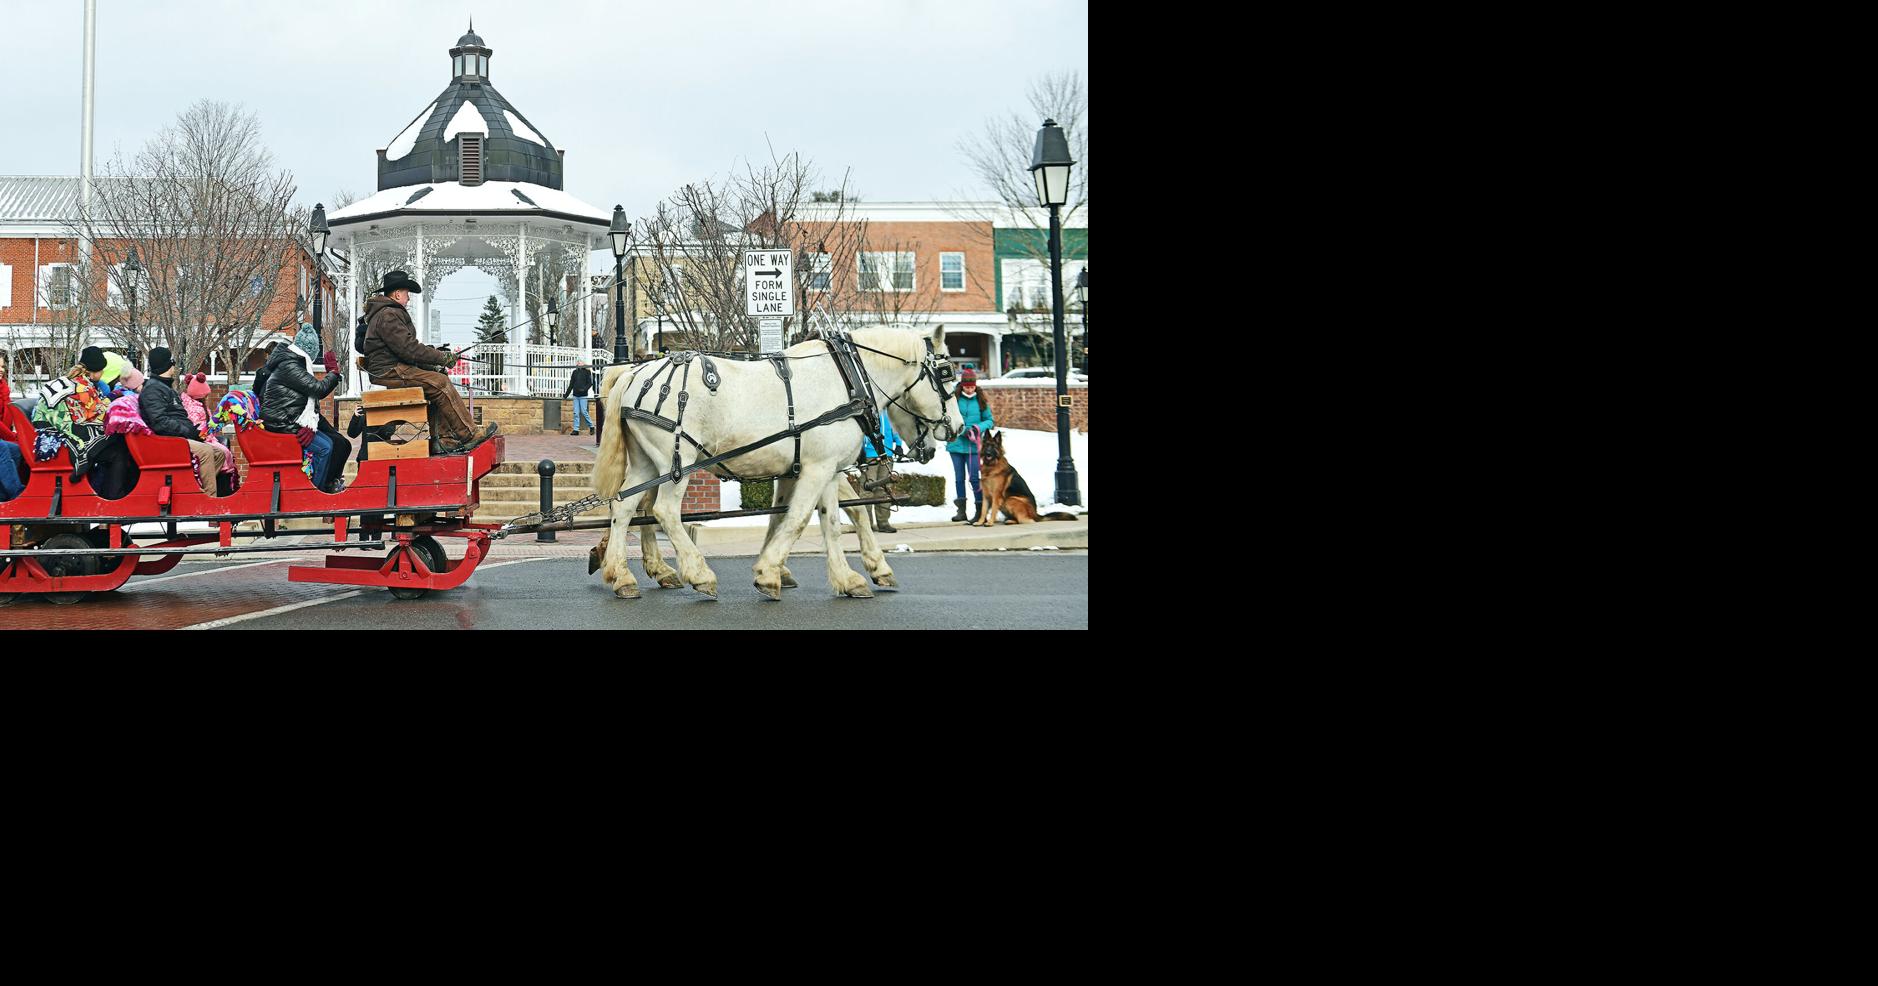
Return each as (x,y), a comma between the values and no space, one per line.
(470,183)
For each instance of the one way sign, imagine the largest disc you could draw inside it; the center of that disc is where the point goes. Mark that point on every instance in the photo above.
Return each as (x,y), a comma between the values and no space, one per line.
(769,290)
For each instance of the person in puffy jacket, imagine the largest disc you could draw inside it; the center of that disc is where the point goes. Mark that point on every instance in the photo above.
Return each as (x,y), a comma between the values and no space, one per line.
(289,406)
(162,409)
(978,423)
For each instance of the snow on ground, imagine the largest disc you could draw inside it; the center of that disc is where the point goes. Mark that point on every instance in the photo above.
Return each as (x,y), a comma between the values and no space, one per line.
(1032,453)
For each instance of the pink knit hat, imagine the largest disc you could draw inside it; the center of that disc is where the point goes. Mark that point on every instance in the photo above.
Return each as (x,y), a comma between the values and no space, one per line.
(199,386)
(132,379)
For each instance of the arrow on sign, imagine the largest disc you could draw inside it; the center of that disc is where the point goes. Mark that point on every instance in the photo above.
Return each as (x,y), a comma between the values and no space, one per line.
(769,273)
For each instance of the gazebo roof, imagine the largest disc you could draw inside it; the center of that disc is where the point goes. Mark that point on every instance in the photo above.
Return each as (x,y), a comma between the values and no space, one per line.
(427,149)
(504,199)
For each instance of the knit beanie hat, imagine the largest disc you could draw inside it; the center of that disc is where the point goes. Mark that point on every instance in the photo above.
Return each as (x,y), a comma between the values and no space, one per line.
(199,386)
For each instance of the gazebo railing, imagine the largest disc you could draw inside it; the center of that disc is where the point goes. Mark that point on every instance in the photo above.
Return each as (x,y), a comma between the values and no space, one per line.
(517,370)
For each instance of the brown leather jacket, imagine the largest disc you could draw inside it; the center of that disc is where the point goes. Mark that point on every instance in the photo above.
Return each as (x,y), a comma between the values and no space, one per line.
(390,340)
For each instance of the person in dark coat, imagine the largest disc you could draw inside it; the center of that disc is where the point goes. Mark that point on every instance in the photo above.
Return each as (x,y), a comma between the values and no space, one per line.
(291,404)
(162,410)
(395,358)
(579,384)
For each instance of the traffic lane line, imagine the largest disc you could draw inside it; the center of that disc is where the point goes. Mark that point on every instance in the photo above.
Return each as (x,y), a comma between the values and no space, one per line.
(214,594)
(293,607)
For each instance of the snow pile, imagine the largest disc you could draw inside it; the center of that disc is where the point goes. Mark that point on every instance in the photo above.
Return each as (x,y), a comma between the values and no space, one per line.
(402,144)
(1032,453)
(468,119)
(523,130)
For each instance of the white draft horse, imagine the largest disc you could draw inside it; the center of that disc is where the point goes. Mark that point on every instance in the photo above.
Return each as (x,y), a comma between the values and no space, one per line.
(751,404)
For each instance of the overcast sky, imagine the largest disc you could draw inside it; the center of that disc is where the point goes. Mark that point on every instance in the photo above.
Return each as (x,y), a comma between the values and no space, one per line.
(644,96)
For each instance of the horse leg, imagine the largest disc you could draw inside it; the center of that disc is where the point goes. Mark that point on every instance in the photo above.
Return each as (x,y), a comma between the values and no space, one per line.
(786,492)
(846,581)
(769,564)
(691,564)
(649,556)
(871,555)
(617,573)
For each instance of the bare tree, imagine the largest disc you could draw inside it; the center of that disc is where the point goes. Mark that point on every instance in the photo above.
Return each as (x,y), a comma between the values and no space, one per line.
(213,223)
(999,159)
(691,252)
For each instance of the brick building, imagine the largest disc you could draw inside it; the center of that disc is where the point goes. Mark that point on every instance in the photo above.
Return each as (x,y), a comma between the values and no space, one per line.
(978,268)
(42,315)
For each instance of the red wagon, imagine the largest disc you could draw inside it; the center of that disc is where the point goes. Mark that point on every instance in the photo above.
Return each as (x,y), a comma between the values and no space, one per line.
(65,541)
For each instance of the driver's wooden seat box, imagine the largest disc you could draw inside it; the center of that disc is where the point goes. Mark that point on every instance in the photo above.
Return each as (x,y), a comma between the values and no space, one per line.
(389,407)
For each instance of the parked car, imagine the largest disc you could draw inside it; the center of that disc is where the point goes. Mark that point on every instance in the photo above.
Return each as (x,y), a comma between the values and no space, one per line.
(1042,373)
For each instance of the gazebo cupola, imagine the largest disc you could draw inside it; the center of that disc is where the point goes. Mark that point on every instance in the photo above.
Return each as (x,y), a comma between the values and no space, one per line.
(469,134)
(470,58)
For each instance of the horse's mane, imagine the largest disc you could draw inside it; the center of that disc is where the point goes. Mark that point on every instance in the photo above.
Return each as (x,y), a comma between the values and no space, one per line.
(903,343)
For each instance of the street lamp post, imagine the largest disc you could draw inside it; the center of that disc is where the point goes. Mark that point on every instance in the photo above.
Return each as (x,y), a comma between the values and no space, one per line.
(1082,296)
(1049,167)
(319,267)
(131,269)
(620,231)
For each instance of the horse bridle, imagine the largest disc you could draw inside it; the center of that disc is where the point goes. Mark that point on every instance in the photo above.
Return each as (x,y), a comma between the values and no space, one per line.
(936,368)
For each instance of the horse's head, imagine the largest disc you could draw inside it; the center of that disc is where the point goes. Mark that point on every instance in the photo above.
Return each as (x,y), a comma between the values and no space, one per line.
(918,393)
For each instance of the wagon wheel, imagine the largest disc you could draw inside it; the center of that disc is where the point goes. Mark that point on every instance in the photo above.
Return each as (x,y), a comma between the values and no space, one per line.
(434,559)
(67,566)
(101,538)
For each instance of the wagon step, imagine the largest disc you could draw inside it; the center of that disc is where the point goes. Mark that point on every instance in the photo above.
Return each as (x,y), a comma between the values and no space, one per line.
(211,550)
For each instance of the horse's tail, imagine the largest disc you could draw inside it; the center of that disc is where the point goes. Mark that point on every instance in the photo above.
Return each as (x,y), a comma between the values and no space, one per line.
(609,466)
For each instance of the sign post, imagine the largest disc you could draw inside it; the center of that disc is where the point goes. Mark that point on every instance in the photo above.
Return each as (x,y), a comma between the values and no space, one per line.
(769,294)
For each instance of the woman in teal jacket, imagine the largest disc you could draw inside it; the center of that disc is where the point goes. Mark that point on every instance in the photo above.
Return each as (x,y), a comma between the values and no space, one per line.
(978,423)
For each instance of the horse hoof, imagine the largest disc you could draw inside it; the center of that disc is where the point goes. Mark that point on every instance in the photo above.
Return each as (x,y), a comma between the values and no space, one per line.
(774,592)
(886,580)
(860,592)
(708,588)
(788,581)
(627,592)
(671,582)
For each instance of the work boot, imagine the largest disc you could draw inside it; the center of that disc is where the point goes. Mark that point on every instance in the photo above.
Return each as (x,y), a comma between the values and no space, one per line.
(978,514)
(469,445)
(959,518)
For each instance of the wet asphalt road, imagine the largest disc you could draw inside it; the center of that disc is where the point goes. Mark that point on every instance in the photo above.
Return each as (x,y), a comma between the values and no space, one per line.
(975,591)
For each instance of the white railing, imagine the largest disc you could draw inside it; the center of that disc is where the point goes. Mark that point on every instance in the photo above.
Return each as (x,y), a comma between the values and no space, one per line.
(516,370)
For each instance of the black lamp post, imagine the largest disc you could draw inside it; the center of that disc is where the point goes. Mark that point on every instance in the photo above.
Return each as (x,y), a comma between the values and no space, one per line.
(131,270)
(620,231)
(1082,296)
(319,265)
(1049,166)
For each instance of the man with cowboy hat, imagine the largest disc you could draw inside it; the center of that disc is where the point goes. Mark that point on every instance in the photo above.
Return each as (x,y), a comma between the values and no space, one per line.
(395,358)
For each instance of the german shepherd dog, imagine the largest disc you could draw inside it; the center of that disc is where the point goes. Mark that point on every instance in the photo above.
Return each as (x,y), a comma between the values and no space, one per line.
(1005,490)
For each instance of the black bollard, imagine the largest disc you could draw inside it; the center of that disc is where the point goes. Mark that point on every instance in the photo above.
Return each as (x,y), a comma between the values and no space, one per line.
(546,471)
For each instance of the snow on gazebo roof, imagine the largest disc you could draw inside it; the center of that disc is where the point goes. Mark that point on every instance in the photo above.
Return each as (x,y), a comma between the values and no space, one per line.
(503,199)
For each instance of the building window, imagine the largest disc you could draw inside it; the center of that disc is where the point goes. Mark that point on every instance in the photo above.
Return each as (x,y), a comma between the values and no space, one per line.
(887,271)
(951,272)
(821,271)
(60,290)
(1026,285)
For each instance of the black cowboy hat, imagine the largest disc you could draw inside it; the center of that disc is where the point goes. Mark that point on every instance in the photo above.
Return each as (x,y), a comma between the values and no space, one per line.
(397,279)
